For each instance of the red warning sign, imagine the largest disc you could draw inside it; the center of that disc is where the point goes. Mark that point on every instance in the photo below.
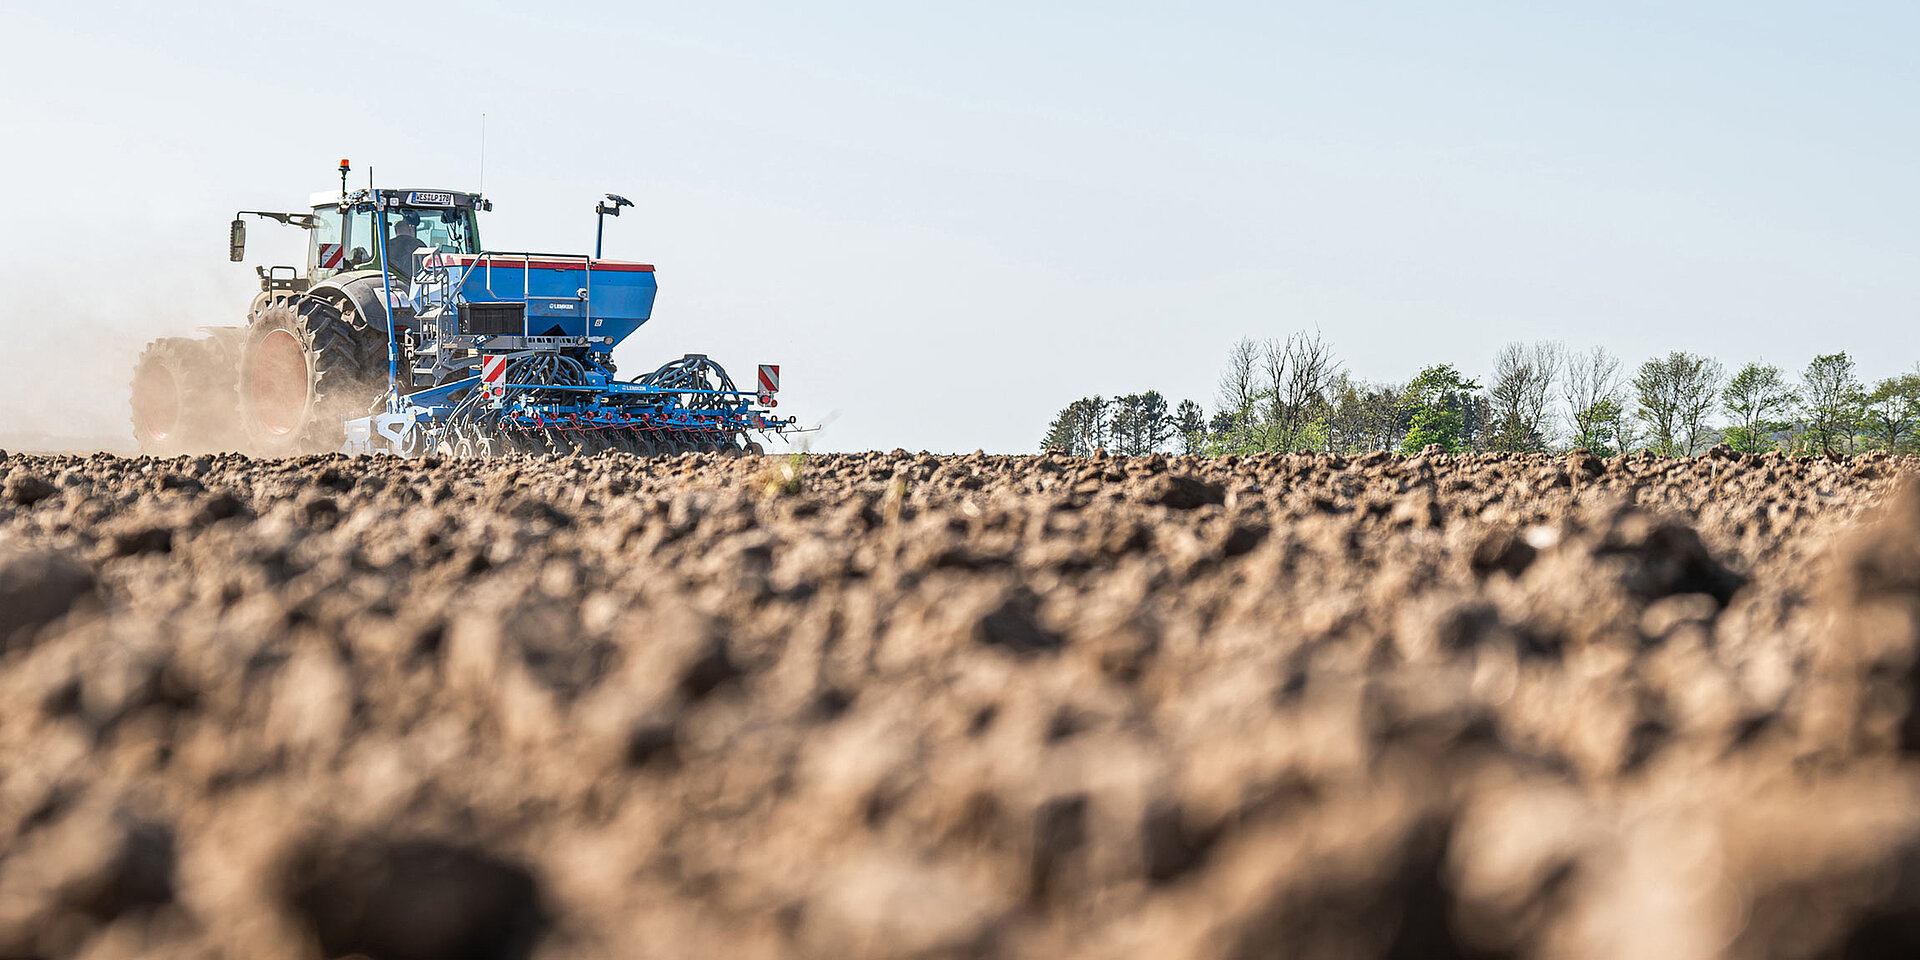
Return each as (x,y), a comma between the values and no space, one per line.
(493,376)
(769,379)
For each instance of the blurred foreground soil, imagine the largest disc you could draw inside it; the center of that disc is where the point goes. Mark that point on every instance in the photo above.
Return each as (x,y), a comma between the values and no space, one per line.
(884,705)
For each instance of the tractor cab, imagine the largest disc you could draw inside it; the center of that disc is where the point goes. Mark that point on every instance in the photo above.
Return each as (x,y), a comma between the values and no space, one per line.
(419,222)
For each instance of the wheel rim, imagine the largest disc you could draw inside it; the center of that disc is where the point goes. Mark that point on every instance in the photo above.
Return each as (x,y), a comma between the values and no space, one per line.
(277,384)
(156,401)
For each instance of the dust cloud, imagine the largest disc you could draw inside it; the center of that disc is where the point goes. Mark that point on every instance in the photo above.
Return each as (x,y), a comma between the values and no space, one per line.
(73,335)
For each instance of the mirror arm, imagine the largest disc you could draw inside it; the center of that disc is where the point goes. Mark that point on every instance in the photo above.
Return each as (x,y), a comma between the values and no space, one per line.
(306,221)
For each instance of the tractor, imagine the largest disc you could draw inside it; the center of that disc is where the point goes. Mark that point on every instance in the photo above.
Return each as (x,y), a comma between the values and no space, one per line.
(405,335)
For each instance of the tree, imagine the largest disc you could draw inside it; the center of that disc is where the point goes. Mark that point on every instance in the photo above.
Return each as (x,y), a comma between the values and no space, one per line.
(1346,417)
(1892,412)
(1519,395)
(1437,402)
(1755,398)
(1831,398)
(1229,432)
(1362,417)
(1659,404)
(1138,423)
(1699,394)
(1607,429)
(1079,429)
(1475,416)
(1595,402)
(1236,423)
(1273,395)
(1385,417)
(1298,371)
(1190,427)
(1675,395)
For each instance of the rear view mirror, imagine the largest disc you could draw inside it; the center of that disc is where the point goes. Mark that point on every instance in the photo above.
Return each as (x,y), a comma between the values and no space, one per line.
(237,241)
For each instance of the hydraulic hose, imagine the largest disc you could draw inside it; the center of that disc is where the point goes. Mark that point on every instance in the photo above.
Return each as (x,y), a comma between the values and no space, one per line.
(386,280)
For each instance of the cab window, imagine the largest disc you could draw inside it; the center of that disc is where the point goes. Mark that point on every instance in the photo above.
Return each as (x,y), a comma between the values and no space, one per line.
(324,253)
(448,229)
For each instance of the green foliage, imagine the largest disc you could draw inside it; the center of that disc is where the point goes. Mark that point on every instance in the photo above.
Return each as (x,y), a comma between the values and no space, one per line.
(1438,402)
(1675,394)
(1278,396)
(1139,424)
(1361,417)
(1748,441)
(1891,413)
(1596,411)
(1190,427)
(1832,400)
(1132,425)
(1231,435)
(1755,398)
(1599,428)
(1079,429)
(1313,435)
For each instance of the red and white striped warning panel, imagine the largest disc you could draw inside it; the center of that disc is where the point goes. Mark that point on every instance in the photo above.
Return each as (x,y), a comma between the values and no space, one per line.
(493,375)
(330,258)
(769,384)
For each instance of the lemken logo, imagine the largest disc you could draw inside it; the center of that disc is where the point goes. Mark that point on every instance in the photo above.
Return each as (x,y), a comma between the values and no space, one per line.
(431,199)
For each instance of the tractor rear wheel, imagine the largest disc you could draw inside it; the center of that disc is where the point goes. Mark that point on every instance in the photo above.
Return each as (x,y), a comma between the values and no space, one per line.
(304,369)
(183,397)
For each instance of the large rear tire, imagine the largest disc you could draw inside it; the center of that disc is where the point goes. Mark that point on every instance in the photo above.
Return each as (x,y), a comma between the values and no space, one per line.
(182,398)
(304,369)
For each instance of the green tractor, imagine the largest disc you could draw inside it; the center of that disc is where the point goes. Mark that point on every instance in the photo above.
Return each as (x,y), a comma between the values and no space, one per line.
(314,347)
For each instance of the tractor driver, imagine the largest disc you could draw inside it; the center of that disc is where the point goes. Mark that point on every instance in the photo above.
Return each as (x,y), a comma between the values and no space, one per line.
(401,246)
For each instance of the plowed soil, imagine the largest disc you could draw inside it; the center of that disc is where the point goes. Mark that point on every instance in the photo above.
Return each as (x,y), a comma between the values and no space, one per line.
(885,705)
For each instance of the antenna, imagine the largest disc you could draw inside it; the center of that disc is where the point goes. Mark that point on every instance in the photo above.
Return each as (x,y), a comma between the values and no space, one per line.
(481,187)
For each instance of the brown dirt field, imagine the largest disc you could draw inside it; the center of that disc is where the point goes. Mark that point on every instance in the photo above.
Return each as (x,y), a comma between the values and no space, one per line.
(888,705)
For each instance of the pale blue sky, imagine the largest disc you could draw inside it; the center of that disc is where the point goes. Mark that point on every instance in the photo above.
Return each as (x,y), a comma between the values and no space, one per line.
(946,222)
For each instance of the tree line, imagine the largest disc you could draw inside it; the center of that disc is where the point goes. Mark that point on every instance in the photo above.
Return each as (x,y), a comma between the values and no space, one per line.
(1292,394)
